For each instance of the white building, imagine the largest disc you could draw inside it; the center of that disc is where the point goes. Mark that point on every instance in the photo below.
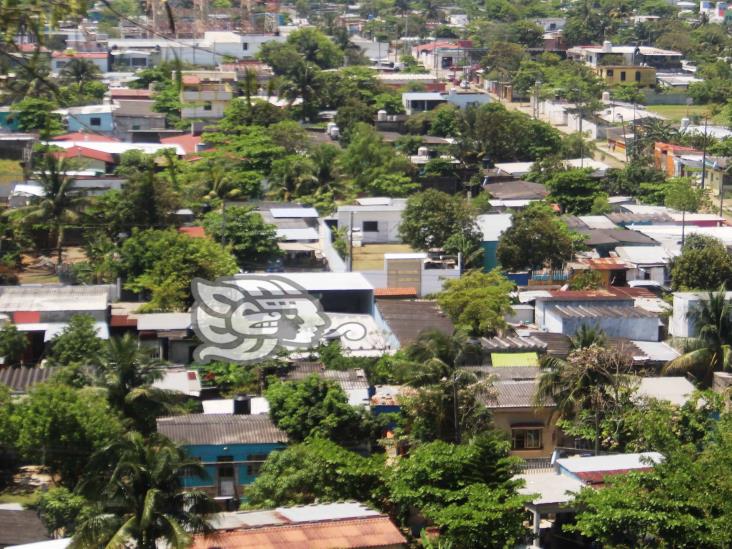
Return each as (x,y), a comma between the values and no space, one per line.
(426,101)
(647,262)
(631,55)
(373,219)
(680,325)
(205,94)
(214,48)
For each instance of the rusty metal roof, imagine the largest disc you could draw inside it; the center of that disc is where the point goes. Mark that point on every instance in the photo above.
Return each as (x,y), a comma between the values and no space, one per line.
(341,534)
(221,429)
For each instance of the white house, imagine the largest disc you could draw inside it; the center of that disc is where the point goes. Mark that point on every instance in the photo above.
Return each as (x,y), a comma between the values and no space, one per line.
(680,325)
(426,101)
(647,262)
(377,218)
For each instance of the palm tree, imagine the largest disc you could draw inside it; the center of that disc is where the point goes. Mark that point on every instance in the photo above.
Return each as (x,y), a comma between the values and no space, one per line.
(80,72)
(142,503)
(59,206)
(291,178)
(303,84)
(128,373)
(221,186)
(711,350)
(250,85)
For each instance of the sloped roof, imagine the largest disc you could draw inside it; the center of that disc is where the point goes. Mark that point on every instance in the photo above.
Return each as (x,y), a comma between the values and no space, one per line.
(20,527)
(82,136)
(514,394)
(348,380)
(408,318)
(54,298)
(335,534)
(221,429)
(188,143)
(84,152)
(20,379)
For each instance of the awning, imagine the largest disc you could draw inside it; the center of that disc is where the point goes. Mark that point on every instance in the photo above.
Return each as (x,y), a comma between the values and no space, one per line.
(514,359)
(298,246)
(52,329)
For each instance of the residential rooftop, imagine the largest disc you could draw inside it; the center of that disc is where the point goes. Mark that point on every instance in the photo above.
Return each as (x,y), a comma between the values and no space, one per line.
(221,429)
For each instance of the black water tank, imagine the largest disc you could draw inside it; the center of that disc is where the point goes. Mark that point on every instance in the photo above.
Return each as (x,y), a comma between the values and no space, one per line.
(242,405)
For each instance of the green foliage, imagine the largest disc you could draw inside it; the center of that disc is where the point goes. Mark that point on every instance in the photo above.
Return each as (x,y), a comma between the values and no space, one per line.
(239,114)
(62,427)
(12,345)
(78,342)
(681,194)
(230,378)
(163,263)
(37,115)
(477,302)
(60,510)
(679,503)
(252,241)
(350,115)
(316,47)
(574,190)
(432,217)
(704,264)
(535,239)
(586,280)
(316,470)
(313,407)
(79,72)
(446,121)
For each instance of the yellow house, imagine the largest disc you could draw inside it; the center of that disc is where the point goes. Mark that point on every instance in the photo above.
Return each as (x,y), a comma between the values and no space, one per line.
(613,75)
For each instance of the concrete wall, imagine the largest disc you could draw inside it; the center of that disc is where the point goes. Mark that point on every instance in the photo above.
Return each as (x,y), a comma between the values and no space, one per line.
(388,224)
(521,313)
(657,274)
(82,122)
(639,328)
(432,279)
(542,307)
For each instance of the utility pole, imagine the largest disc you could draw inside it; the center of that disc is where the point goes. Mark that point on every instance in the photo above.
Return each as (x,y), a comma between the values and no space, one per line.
(704,158)
(350,242)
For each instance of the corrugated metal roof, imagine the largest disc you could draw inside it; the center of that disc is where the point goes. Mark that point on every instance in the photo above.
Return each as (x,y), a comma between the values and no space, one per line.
(278,213)
(514,394)
(513,343)
(502,360)
(20,379)
(582,311)
(349,380)
(221,429)
(407,319)
(335,534)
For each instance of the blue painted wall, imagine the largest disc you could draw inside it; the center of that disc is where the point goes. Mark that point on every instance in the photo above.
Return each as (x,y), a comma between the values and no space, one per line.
(82,122)
(240,452)
(6,124)
(490,261)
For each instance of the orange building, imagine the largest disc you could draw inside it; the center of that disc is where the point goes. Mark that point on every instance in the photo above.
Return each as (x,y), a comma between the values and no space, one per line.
(665,155)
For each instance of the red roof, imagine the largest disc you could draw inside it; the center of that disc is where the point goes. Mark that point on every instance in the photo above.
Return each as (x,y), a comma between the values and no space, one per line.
(607,264)
(32,48)
(435,45)
(193,232)
(130,93)
(571,295)
(81,136)
(81,54)
(340,534)
(122,321)
(676,148)
(598,477)
(190,79)
(83,152)
(187,142)
(395,292)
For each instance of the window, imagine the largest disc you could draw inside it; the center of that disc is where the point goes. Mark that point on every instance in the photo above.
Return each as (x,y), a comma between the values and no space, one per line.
(622,76)
(609,72)
(95,121)
(371,226)
(207,106)
(253,468)
(244,46)
(139,61)
(637,76)
(526,438)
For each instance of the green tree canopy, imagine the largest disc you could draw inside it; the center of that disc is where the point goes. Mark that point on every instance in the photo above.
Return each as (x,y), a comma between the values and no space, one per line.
(477,302)
(432,217)
(704,264)
(574,190)
(78,342)
(536,238)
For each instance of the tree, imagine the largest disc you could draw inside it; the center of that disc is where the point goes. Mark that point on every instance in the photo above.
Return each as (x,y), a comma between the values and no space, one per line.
(60,510)
(33,114)
(238,114)
(591,387)
(313,407)
(503,59)
(142,502)
(317,470)
(78,342)
(58,206)
(61,427)
(350,114)
(466,490)
(128,372)
(252,241)
(574,190)
(13,344)
(679,502)
(704,264)
(710,351)
(680,194)
(477,302)
(79,72)
(449,401)
(292,177)
(164,262)
(432,217)
(316,47)
(304,82)
(586,280)
(536,238)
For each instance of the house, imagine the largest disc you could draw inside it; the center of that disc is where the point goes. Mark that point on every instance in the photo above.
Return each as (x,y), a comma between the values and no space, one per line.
(680,324)
(20,526)
(492,227)
(168,335)
(594,470)
(628,56)
(443,54)
(426,101)
(44,311)
(214,48)
(547,300)
(627,322)
(669,236)
(397,80)
(59,59)
(531,425)
(614,75)
(298,231)
(353,382)
(407,318)
(95,118)
(339,525)
(646,262)
(413,274)
(717,174)
(231,448)
(373,220)
(515,190)
(116,148)
(666,157)
(134,111)
(205,94)
(88,159)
